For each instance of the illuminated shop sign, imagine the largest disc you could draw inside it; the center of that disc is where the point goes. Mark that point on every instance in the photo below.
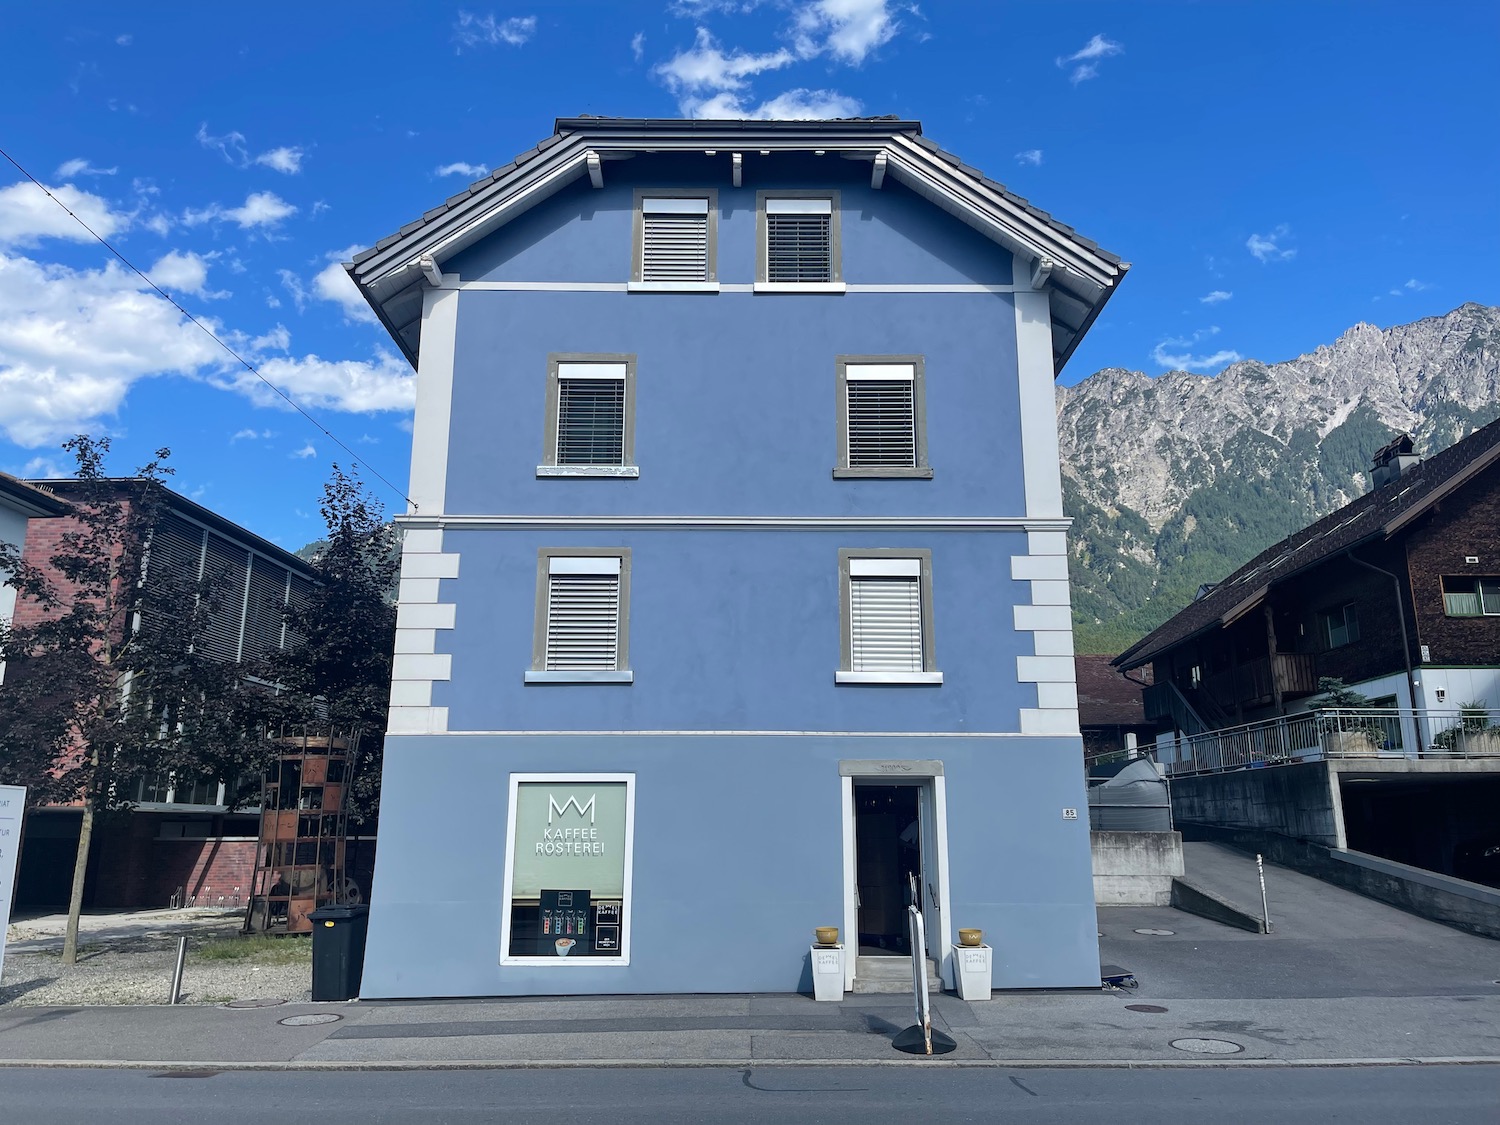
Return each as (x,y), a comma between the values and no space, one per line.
(568,874)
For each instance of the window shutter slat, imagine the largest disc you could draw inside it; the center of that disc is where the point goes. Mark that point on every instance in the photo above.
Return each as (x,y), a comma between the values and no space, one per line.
(674,247)
(885,623)
(590,421)
(225,569)
(583,621)
(882,423)
(798,248)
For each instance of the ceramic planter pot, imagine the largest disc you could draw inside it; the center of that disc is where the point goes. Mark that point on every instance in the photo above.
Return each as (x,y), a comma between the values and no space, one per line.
(827,935)
(971,938)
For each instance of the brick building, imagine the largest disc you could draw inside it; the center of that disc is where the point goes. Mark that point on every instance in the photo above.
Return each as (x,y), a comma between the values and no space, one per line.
(179,834)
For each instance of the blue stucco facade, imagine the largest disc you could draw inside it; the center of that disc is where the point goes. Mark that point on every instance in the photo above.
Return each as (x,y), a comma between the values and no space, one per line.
(739,740)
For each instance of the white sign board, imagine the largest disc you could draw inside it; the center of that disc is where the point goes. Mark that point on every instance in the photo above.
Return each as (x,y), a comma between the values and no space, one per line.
(12,805)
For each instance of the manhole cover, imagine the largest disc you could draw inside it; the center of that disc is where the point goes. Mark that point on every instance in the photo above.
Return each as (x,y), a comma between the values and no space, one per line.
(1144,1008)
(1208,1046)
(1156,933)
(254,1003)
(310,1019)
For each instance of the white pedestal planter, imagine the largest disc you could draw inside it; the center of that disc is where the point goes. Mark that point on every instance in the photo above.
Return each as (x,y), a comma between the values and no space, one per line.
(828,972)
(974,970)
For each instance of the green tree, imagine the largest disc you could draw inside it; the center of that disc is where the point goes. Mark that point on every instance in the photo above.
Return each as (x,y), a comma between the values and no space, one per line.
(111,684)
(341,675)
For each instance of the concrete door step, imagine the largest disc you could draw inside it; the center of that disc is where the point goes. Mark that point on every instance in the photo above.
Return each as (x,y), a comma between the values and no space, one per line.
(892,975)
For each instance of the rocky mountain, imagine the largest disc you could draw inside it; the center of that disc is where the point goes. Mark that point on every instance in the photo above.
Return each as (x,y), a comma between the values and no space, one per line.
(1177,480)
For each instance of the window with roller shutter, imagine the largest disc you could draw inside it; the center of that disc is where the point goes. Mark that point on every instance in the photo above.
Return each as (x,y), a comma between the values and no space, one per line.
(886,604)
(675,240)
(590,422)
(799,239)
(881,417)
(581,630)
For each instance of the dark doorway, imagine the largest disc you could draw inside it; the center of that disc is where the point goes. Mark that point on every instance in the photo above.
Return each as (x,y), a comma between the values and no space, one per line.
(887,851)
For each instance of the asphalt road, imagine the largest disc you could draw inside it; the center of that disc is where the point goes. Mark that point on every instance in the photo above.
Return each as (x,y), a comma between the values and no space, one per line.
(1432,1095)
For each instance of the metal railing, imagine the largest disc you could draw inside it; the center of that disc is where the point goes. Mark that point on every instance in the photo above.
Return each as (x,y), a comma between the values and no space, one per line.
(1362,732)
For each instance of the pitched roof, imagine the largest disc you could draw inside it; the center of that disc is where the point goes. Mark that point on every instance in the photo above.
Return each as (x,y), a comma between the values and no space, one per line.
(28,498)
(1105,697)
(1078,275)
(1375,515)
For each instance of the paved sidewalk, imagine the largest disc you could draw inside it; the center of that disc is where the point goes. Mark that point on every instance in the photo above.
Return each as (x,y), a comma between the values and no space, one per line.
(1343,979)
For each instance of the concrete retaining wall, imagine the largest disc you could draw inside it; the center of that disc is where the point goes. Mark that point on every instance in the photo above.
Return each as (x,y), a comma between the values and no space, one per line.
(1441,898)
(1135,868)
(1298,801)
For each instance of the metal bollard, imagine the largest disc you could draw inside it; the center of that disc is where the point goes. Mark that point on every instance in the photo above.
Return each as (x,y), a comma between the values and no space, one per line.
(177,972)
(1265,910)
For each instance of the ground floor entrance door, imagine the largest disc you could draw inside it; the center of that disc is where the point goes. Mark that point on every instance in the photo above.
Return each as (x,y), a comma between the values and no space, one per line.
(895,864)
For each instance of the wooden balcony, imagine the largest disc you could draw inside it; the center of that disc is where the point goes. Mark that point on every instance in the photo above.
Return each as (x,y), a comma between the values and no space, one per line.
(1255,682)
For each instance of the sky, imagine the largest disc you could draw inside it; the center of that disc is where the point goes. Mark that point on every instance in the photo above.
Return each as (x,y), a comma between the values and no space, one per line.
(1275,173)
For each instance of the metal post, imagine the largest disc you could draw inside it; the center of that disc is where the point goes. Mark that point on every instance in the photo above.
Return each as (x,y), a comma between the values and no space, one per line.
(177,972)
(1265,910)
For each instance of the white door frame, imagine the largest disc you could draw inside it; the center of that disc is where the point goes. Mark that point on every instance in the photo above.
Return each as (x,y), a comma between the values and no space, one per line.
(911,773)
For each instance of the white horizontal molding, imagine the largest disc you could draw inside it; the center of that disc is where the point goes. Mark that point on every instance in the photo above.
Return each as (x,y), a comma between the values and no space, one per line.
(1027,567)
(927,678)
(729,287)
(745,733)
(429,615)
(630,471)
(749,523)
(417,720)
(582,676)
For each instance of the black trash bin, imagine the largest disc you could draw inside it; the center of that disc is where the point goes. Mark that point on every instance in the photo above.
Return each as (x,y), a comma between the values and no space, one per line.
(338,951)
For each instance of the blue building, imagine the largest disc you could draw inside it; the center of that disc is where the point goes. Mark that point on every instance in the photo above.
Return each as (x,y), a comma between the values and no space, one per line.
(734,596)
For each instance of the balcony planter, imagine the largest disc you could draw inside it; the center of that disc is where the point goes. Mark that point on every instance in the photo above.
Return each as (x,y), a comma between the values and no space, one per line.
(1348,744)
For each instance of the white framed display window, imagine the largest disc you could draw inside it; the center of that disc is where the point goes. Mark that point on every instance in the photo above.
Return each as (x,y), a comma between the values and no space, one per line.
(569,857)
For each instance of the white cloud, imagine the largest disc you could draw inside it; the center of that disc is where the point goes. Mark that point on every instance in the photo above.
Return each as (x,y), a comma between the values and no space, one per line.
(1176,353)
(260,209)
(1029,156)
(286,159)
(470,30)
(231,146)
(27,216)
(332,283)
(306,451)
(705,67)
(124,40)
(794,105)
(74,342)
(43,468)
(459,168)
(1269,248)
(638,45)
(848,30)
(293,285)
(183,272)
(252,434)
(1412,285)
(78,166)
(1087,58)
(1216,297)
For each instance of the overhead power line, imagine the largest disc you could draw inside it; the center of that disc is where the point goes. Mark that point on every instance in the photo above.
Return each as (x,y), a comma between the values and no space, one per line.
(210,333)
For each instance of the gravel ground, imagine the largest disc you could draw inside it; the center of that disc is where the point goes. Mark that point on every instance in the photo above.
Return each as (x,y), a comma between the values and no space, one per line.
(138,970)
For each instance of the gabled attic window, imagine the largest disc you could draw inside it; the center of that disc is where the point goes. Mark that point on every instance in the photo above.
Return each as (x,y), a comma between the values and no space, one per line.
(675,240)
(799,241)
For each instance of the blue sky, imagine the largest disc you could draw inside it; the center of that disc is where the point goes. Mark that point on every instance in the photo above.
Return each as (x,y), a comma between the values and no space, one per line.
(1275,172)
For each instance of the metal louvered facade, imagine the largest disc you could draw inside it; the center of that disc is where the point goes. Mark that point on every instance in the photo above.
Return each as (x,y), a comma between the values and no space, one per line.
(675,240)
(882,421)
(590,419)
(225,569)
(583,621)
(885,623)
(263,609)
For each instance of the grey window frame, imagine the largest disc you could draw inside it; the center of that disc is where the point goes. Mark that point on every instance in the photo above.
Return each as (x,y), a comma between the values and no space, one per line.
(1342,613)
(638,241)
(1480,581)
(930,675)
(835,244)
(538,673)
(549,466)
(922,470)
